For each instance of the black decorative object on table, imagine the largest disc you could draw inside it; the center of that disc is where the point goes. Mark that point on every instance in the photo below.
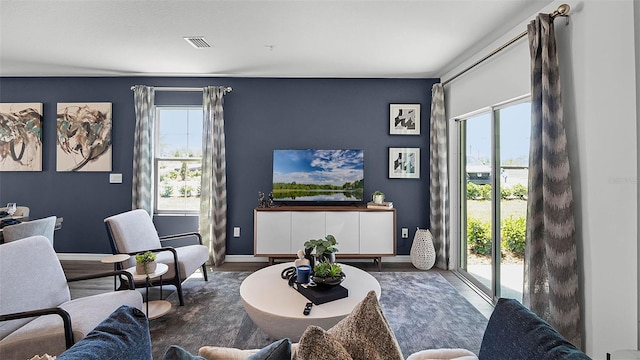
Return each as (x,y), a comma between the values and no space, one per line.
(270,202)
(261,202)
(320,295)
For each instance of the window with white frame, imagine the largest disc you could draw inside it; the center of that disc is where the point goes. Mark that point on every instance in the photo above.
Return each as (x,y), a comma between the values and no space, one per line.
(178,159)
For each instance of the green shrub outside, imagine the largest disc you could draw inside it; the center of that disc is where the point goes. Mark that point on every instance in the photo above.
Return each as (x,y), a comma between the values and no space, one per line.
(479,236)
(483,192)
(186,190)
(166,192)
(520,190)
(473,191)
(505,192)
(513,234)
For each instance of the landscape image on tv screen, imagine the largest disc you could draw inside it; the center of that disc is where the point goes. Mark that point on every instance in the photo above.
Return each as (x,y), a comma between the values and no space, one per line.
(318,175)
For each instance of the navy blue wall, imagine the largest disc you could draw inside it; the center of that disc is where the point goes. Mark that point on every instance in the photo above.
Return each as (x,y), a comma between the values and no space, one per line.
(261,114)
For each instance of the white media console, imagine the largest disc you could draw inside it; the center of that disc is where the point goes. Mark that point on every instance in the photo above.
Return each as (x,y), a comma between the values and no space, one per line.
(361,232)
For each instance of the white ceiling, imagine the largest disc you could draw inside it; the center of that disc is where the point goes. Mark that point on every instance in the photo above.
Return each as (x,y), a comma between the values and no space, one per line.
(263,38)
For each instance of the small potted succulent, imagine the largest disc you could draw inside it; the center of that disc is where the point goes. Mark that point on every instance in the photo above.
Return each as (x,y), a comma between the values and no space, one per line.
(327,274)
(325,248)
(377,197)
(146,263)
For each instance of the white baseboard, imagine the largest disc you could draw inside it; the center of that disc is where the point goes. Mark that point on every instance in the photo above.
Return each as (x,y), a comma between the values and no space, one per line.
(228,258)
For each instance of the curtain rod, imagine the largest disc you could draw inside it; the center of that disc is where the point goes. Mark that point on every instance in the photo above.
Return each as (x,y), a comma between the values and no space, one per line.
(227,89)
(562,10)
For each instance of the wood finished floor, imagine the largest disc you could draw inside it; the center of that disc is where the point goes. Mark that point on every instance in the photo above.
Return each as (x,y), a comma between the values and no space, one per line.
(73,268)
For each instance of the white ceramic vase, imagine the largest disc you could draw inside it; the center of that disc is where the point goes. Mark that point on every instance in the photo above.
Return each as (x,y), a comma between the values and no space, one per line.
(378,199)
(423,253)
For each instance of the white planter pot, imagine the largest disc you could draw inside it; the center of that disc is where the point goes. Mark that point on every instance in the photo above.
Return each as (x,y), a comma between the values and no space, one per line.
(378,199)
(151,267)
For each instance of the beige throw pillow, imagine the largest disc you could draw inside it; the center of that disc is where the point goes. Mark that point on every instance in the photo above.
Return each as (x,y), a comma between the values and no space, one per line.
(315,343)
(223,353)
(365,334)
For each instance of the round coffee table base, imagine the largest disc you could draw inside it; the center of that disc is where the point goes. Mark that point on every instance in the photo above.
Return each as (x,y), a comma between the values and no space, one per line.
(277,308)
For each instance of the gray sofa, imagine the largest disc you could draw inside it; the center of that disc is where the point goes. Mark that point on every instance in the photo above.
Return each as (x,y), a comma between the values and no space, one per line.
(37,314)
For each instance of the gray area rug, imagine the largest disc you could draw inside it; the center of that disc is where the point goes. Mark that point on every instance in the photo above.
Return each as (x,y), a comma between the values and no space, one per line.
(424,311)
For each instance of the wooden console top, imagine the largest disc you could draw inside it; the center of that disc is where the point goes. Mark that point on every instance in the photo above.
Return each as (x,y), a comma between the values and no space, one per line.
(323,208)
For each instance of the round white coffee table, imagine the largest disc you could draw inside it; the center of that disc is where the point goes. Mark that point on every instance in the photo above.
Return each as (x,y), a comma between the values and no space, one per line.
(276,308)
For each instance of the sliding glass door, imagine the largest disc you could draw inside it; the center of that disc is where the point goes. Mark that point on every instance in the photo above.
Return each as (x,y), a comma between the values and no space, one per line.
(493,163)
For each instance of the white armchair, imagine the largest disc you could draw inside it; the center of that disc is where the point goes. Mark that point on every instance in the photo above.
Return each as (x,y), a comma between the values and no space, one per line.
(37,314)
(133,232)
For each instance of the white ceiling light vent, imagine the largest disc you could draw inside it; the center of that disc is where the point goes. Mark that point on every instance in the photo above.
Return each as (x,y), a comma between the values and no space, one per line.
(197,42)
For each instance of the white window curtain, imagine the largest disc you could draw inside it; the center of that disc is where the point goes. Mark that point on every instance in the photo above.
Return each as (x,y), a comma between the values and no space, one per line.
(551,285)
(142,191)
(439,181)
(213,192)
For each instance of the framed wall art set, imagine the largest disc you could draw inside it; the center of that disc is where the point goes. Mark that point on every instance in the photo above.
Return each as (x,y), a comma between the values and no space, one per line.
(83,136)
(404,163)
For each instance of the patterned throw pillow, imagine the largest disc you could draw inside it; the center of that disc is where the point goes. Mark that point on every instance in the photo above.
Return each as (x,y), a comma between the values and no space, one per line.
(363,334)
(315,343)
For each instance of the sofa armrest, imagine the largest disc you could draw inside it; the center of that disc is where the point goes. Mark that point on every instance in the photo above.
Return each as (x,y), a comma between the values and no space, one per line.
(183,235)
(66,320)
(127,274)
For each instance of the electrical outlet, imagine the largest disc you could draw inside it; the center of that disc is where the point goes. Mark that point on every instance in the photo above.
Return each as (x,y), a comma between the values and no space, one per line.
(405,233)
(236,231)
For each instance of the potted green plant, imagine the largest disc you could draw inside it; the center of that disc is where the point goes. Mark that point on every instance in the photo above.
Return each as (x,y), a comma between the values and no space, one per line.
(146,263)
(377,197)
(328,274)
(324,248)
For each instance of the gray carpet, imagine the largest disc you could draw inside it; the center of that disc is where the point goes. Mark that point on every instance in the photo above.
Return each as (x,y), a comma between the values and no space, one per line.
(424,310)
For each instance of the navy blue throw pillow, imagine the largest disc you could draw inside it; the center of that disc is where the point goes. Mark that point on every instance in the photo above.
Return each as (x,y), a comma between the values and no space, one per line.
(175,352)
(279,350)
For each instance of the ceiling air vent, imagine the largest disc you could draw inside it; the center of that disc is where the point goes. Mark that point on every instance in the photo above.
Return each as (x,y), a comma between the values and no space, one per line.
(197,42)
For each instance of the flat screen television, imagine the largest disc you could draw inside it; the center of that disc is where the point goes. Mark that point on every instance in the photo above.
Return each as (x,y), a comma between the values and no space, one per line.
(310,176)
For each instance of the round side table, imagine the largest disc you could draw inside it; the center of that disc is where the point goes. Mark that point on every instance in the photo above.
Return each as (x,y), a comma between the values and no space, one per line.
(115,259)
(155,308)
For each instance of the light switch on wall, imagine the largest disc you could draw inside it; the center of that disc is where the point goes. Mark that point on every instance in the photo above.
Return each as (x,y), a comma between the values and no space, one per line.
(236,231)
(115,178)
(405,233)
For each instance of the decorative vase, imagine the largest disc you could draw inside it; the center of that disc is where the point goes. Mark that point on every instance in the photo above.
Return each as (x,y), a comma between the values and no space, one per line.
(150,268)
(378,199)
(330,258)
(423,254)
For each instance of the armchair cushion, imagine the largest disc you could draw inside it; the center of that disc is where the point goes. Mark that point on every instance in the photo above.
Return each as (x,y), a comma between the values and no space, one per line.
(40,283)
(32,278)
(190,258)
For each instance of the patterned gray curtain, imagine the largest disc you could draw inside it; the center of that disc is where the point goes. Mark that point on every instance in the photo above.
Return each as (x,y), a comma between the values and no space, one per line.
(213,193)
(551,287)
(142,191)
(439,181)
